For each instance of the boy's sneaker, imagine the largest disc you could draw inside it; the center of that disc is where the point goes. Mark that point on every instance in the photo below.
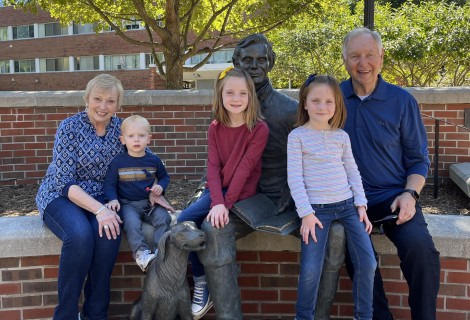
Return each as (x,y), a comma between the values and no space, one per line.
(143,258)
(201,300)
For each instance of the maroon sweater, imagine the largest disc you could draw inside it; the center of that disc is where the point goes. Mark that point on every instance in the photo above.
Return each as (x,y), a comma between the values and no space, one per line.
(234,161)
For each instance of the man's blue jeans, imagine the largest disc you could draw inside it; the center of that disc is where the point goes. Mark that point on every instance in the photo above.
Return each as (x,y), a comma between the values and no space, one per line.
(84,255)
(419,262)
(313,253)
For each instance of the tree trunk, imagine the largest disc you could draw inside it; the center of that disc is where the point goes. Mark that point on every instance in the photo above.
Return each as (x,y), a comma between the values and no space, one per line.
(174,71)
(172,43)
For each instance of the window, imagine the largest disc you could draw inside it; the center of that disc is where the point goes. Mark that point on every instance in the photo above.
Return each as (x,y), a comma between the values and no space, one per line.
(222,56)
(51,65)
(4,66)
(3,33)
(117,62)
(87,63)
(52,29)
(23,32)
(83,28)
(150,60)
(132,25)
(24,65)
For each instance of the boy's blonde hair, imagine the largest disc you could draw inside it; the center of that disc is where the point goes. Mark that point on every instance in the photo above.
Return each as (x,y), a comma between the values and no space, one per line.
(252,113)
(339,118)
(105,82)
(135,119)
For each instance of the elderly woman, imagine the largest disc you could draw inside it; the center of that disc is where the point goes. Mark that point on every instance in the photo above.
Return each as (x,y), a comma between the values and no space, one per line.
(70,200)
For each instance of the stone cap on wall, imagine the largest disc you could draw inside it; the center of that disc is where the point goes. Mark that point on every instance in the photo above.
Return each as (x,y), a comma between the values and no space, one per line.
(26,236)
(445,95)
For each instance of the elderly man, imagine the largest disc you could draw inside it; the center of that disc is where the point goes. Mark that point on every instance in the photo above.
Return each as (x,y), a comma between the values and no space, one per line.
(389,144)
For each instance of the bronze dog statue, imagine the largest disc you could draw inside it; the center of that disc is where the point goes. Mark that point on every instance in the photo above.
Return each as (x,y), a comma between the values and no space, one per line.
(166,294)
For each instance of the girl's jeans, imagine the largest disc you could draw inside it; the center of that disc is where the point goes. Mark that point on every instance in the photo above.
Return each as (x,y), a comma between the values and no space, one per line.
(84,255)
(312,256)
(197,212)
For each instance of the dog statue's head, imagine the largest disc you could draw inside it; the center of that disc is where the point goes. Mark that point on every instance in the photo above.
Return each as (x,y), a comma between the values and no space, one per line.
(185,236)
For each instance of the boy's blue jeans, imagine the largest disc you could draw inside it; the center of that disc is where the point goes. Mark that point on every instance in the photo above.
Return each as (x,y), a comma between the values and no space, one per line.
(84,255)
(133,213)
(312,256)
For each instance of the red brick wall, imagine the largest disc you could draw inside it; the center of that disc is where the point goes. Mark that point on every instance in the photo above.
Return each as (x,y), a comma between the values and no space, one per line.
(26,138)
(454,138)
(268,283)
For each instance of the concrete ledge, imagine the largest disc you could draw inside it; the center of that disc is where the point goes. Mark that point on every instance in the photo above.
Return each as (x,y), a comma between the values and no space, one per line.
(460,174)
(445,95)
(26,236)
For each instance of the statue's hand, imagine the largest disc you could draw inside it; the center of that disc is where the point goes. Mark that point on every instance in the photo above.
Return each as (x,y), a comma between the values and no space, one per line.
(285,203)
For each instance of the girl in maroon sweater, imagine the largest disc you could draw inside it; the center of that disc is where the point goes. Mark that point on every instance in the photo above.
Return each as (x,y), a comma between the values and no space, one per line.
(236,140)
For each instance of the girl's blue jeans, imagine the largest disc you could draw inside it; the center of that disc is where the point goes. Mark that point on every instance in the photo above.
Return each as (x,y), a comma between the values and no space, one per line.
(313,253)
(84,255)
(197,212)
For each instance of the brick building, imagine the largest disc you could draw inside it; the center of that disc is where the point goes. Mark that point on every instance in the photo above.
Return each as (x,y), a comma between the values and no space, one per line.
(37,54)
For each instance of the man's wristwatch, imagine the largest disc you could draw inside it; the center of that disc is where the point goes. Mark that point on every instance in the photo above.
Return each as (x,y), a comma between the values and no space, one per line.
(413,193)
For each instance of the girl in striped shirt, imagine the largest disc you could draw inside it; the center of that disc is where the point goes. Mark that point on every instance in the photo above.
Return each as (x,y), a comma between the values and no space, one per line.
(326,186)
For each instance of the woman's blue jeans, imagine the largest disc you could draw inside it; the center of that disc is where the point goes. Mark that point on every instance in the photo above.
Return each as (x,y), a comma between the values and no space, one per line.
(313,253)
(84,255)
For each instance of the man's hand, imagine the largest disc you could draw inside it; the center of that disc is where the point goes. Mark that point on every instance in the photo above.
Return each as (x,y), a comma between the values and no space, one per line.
(285,203)
(407,206)
(308,227)
(218,216)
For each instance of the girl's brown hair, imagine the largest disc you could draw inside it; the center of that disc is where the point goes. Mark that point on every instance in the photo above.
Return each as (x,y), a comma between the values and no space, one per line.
(339,118)
(252,113)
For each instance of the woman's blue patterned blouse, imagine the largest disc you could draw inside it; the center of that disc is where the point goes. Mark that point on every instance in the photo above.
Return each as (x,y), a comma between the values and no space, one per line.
(80,157)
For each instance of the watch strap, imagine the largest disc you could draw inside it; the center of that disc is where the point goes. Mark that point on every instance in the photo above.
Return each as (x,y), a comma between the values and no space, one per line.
(413,193)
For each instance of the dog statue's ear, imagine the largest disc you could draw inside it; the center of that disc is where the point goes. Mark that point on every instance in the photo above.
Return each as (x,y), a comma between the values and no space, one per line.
(162,245)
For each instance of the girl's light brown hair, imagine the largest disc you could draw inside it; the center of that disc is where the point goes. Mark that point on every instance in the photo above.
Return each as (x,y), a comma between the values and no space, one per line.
(252,113)
(339,118)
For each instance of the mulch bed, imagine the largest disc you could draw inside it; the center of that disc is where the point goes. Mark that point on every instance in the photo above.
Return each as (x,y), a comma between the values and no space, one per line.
(19,200)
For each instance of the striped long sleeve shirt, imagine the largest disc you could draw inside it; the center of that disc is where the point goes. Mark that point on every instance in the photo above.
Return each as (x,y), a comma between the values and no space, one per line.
(321,169)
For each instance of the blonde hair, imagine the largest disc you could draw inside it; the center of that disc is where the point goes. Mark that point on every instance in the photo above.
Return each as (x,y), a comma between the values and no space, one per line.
(339,117)
(135,119)
(105,82)
(252,113)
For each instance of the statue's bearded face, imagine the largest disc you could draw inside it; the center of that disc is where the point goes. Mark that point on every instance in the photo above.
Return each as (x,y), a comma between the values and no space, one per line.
(254,59)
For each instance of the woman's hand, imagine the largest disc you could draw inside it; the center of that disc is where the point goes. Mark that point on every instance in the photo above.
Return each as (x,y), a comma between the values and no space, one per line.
(308,227)
(108,221)
(364,218)
(218,216)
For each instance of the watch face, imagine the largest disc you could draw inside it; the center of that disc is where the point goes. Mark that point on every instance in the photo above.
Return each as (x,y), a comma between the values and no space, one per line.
(413,193)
